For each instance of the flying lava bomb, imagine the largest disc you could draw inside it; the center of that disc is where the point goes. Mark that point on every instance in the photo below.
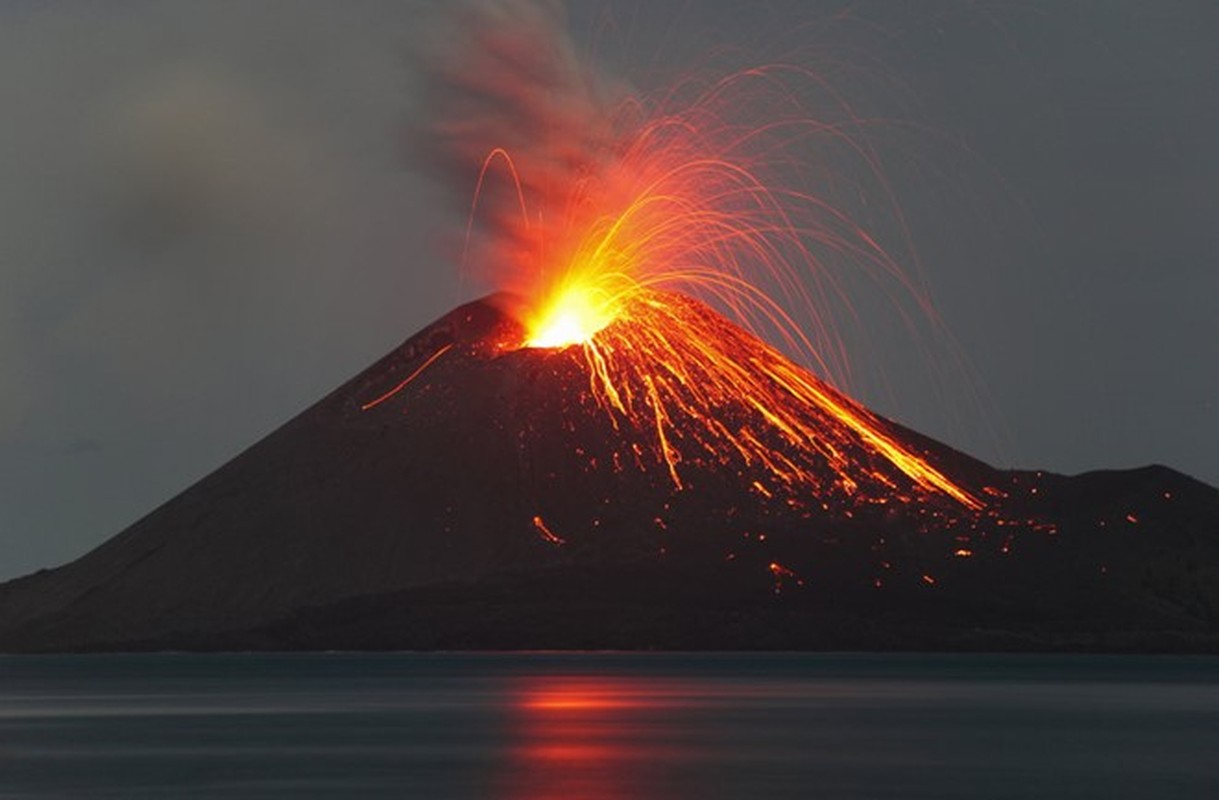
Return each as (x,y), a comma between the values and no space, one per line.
(640,439)
(603,217)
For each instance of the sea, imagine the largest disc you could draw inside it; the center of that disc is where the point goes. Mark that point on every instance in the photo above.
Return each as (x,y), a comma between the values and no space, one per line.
(587,726)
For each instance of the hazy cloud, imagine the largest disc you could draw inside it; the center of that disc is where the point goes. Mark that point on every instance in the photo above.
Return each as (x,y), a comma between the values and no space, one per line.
(208,218)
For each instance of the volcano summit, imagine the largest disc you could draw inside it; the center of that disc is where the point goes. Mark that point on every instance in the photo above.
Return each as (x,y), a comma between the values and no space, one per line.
(469,492)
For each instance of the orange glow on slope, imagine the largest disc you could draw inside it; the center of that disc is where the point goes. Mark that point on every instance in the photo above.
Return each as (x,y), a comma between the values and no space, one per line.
(690,202)
(710,393)
(431,360)
(546,533)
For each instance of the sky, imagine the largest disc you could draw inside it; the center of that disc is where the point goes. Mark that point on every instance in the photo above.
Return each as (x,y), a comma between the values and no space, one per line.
(211,214)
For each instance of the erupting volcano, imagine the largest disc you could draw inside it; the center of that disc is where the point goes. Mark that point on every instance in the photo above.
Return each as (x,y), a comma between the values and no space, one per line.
(641,438)
(470,490)
(686,391)
(623,254)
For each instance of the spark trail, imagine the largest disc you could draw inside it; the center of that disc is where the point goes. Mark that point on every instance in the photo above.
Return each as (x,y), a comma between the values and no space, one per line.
(707,192)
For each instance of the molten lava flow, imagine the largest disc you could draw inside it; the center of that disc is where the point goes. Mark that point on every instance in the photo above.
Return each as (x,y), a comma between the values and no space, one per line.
(709,394)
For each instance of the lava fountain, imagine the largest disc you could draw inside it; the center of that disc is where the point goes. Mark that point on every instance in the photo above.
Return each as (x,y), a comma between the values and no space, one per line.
(618,221)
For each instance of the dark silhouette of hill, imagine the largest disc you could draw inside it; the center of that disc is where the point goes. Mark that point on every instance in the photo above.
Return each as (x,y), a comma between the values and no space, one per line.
(486,504)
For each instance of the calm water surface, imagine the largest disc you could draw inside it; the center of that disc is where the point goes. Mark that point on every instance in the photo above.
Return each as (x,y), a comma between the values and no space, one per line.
(590,726)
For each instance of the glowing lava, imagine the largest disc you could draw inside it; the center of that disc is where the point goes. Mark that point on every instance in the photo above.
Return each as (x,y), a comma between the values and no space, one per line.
(574,316)
(709,393)
(701,195)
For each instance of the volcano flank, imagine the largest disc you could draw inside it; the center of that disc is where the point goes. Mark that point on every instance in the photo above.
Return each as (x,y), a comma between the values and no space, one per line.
(466,491)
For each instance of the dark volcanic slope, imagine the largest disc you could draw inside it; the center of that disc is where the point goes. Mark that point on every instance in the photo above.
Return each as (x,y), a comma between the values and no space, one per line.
(486,505)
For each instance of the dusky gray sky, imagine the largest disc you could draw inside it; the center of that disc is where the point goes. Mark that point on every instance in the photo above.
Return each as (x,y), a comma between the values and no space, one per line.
(209,217)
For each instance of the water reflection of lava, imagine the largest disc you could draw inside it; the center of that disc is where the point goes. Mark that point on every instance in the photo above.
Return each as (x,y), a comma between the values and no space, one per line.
(589,738)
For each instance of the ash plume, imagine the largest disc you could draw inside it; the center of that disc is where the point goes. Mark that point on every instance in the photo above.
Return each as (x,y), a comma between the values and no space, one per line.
(515,86)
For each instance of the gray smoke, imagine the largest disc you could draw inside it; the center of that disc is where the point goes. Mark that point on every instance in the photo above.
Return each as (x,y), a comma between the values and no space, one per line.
(506,75)
(207,219)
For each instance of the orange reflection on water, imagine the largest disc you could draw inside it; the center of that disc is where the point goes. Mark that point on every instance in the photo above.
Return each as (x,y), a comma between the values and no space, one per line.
(588,738)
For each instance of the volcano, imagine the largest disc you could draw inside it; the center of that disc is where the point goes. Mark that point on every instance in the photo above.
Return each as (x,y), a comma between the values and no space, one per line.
(468,492)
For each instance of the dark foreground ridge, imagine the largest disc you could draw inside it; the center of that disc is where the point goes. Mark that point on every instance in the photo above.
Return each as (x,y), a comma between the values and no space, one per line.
(486,505)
